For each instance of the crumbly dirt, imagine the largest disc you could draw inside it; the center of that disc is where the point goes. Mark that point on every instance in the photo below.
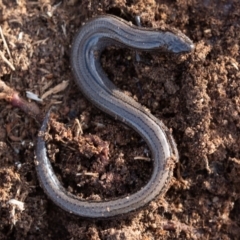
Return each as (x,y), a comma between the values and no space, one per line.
(196,95)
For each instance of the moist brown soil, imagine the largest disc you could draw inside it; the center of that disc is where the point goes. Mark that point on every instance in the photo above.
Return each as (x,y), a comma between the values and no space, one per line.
(196,95)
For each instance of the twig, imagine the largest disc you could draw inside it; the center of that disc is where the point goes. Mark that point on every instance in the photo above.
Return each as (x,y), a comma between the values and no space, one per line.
(4,42)
(6,61)
(142,158)
(13,97)
(88,174)
(178,227)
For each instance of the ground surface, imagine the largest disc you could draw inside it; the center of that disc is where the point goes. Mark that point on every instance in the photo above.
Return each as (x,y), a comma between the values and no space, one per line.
(196,95)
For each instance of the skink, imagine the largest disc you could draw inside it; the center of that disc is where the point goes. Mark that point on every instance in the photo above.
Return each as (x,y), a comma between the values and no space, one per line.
(87,46)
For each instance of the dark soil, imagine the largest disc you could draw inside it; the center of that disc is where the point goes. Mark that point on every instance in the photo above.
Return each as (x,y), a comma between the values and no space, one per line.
(196,95)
